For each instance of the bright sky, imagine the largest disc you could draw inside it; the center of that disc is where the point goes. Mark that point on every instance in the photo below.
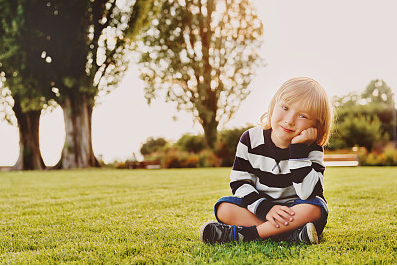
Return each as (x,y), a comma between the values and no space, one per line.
(342,44)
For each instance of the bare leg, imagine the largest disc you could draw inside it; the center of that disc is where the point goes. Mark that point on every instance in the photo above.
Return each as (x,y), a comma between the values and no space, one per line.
(234,215)
(304,213)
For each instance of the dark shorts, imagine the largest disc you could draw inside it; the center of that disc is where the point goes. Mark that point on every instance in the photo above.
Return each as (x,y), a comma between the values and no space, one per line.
(320,224)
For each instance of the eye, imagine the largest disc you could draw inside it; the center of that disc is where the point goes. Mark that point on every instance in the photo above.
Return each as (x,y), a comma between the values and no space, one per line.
(303,116)
(285,108)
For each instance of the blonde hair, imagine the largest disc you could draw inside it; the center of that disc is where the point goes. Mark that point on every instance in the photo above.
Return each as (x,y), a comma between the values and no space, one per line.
(312,97)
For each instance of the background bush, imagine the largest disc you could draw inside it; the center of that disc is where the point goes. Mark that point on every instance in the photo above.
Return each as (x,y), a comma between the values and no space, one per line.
(366,119)
(191,143)
(388,157)
(227,144)
(190,150)
(153,145)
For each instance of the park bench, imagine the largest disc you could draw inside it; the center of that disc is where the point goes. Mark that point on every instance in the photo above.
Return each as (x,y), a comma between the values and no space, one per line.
(348,159)
(5,168)
(155,164)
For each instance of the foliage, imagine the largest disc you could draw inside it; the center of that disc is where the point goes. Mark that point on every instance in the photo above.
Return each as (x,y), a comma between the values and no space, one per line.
(87,43)
(378,91)
(207,158)
(25,73)
(366,119)
(153,145)
(153,217)
(386,158)
(204,54)
(226,146)
(23,66)
(49,47)
(363,131)
(175,158)
(68,52)
(191,143)
(190,147)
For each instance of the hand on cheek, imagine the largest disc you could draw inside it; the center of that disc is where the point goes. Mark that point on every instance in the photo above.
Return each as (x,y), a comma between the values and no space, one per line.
(307,136)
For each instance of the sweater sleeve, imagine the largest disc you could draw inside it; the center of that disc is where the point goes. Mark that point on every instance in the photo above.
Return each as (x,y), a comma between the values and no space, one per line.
(243,181)
(306,164)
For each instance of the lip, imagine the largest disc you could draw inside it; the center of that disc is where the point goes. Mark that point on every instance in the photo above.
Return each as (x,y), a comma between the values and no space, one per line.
(287,130)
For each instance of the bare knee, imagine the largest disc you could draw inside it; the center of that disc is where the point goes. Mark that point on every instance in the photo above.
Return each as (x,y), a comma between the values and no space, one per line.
(310,212)
(315,211)
(225,212)
(229,213)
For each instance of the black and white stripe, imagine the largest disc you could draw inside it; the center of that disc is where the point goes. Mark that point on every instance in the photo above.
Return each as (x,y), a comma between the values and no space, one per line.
(264,174)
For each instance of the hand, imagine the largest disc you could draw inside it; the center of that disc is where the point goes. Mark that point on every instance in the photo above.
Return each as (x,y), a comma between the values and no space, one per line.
(280,214)
(307,136)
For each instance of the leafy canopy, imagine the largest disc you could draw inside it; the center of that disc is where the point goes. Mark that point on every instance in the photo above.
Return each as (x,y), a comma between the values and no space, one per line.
(203,53)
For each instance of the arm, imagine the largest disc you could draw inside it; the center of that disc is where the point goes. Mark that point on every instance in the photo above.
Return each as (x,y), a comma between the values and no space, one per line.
(307,168)
(243,180)
(307,164)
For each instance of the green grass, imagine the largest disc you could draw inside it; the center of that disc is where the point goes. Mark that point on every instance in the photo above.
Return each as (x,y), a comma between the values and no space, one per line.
(153,217)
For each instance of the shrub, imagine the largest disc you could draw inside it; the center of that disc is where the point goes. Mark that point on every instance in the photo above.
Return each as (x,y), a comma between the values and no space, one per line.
(227,144)
(153,145)
(207,158)
(386,158)
(363,131)
(190,150)
(191,143)
(390,156)
(171,158)
(192,161)
(175,158)
(373,159)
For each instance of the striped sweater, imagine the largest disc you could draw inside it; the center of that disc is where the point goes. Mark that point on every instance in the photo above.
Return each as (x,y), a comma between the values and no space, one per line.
(264,175)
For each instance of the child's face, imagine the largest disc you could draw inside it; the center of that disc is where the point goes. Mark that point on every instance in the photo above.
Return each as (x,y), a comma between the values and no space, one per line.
(288,121)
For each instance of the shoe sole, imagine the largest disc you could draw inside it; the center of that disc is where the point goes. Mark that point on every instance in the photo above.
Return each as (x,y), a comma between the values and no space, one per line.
(201,234)
(312,233)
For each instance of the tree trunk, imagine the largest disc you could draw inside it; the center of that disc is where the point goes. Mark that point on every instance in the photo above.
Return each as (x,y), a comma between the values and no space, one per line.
(210,132)
(77,151)
(29,144)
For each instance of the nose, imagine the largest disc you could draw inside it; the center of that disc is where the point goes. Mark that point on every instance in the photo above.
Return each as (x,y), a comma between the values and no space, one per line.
(289,120)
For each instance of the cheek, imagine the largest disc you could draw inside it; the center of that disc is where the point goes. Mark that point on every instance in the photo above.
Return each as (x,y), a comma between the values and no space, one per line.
(306,124)
(275,117)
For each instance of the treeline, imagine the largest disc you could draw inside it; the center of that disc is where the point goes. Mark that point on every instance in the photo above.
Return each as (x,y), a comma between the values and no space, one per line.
(63,53)
(203,53)
(192,151)
(364,121)
(367,122)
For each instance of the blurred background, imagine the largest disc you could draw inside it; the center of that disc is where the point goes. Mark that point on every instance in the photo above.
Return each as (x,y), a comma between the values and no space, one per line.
(347,46)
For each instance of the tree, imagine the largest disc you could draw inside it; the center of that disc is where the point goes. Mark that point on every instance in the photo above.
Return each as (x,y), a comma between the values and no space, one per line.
(204,54)
(363,131)
(153,145)
(24,72)
(191,143)
(364,119)
(378,92)
(69,50)
(89,43)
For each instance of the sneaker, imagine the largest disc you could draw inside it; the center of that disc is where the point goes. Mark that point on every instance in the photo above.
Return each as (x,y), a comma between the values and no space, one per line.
(213,232)
(306,234)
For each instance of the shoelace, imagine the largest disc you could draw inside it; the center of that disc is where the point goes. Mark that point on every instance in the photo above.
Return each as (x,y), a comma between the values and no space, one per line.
(227,233)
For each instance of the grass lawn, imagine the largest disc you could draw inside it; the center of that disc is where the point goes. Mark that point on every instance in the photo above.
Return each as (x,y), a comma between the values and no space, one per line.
(153,217)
